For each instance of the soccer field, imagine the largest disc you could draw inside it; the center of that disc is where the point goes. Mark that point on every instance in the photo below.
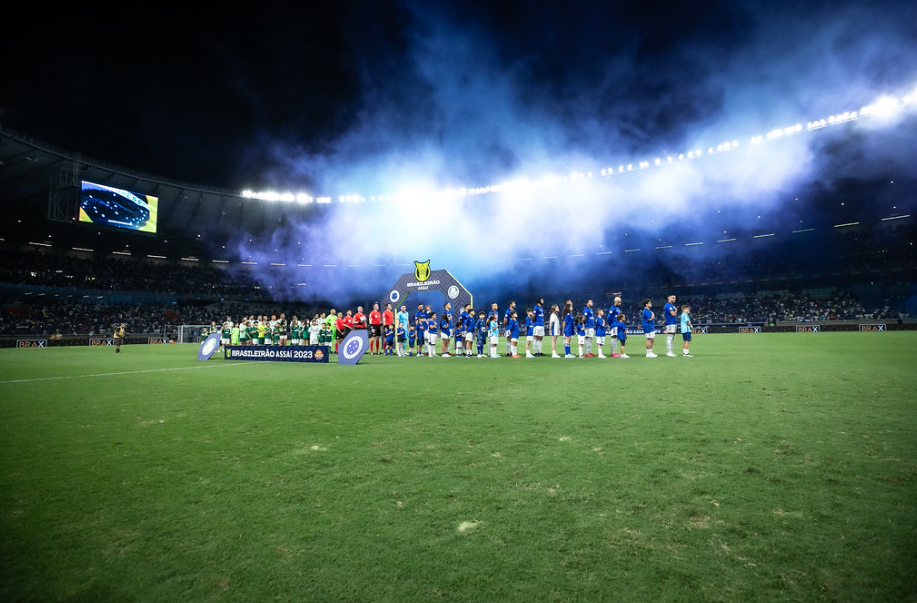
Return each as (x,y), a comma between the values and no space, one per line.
(769,467)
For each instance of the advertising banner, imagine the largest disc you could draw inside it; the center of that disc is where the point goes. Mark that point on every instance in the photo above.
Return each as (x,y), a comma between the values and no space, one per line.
(289,353)
(209,346)
(353,347)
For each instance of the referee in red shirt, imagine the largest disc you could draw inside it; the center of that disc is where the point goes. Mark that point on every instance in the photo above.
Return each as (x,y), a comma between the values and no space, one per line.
(375,326)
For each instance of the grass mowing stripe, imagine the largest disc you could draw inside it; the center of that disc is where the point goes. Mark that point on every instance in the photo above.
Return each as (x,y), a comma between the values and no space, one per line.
(178,368)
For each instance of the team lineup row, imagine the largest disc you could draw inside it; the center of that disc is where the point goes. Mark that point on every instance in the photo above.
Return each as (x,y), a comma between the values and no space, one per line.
(400,334)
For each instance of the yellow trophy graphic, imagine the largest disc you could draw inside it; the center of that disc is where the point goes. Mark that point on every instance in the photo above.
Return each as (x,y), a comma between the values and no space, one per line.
(422,270)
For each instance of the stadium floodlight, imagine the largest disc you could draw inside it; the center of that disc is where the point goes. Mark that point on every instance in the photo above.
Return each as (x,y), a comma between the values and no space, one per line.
(886,106)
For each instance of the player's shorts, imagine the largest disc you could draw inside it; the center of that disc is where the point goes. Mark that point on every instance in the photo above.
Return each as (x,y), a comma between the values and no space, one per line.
(686,336)
(600,340)
(580,339)
(614,332)
(445,337)
(590,332)
(494,340)
(529,337)
(651,335)
(224,341)
(376,330)
(431,338)
(401,339)
(670,329)
(469,336)
(538,331)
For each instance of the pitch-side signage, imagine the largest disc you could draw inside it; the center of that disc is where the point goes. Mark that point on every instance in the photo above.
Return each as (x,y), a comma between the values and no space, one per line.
(289,353)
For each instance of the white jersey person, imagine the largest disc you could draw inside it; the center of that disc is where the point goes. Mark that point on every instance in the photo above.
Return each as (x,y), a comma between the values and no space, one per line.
(555,329)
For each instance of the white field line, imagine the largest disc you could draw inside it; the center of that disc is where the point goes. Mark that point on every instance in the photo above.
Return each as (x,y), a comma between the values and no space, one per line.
(180,368)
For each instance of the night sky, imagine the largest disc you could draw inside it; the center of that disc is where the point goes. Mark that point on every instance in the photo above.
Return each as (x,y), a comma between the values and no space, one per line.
(306,95)
(383,97)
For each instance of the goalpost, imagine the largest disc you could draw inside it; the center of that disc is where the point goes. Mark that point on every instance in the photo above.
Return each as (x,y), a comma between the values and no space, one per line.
(190,333)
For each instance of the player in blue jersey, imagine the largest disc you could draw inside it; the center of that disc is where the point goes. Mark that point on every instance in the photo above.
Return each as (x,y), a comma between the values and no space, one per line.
(670,313)
(649,327)
(538,327)
(511,307)
(494,312)
(512,333)
(621,330)
(580,326)
(569,328)
(412,338)
(445,332)
(389,340)
(480,332)
(469,329)
(612,320)
(420,326)
(589,327)
(529,332)
(600,331)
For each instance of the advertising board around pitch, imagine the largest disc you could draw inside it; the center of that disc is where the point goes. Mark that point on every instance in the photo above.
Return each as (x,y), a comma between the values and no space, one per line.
(291,353)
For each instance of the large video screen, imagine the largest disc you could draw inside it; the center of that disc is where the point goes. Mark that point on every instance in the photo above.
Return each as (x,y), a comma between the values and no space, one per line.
(107,206)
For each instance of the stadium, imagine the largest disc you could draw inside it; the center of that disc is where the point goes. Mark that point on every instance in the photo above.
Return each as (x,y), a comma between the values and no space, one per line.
(775,463)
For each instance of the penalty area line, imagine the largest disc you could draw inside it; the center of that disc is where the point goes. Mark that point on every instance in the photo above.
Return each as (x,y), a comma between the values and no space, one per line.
(178,368)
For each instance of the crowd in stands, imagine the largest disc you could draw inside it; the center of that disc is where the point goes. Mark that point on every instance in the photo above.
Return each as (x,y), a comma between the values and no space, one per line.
(44,293)
(124,275)
(44,316)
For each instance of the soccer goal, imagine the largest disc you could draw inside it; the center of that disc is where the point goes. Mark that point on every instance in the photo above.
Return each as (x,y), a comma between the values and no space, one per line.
(191,333)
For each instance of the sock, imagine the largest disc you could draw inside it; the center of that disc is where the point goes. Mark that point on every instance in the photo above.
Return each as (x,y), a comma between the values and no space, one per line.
(668,343)
(580,350)
(567,350)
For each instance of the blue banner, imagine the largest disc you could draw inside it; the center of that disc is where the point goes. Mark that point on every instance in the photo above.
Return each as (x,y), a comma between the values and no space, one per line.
(353,347)
(209,346)
(287,353)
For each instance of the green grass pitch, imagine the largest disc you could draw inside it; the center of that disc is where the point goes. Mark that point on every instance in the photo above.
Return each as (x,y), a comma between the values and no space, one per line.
(771,467)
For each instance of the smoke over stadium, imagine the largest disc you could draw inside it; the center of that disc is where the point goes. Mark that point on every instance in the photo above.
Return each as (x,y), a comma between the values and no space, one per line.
(526,149)
(470,98)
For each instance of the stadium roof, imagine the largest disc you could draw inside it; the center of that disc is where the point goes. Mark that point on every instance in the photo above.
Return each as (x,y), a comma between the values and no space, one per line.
(39,196)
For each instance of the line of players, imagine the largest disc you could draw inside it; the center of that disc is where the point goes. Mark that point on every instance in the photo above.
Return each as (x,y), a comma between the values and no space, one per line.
(272,331)
(396,334)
